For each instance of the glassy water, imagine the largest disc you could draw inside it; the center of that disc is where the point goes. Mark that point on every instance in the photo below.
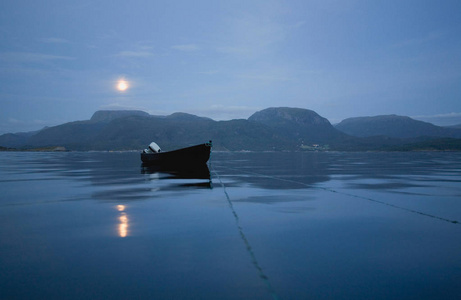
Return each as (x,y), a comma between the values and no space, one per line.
(261,226)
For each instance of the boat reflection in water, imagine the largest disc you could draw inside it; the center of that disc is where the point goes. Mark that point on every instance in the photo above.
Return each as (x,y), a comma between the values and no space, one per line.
(123,219)
(192,172)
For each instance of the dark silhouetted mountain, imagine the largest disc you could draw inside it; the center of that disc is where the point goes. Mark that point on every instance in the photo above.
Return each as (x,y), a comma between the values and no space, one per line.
(186,117)
(129,130)
(12,140)
(17,139)
(180,130)
(394,126)
(109,115)
(303,125)
(245,135)
(270,129)
(74,135)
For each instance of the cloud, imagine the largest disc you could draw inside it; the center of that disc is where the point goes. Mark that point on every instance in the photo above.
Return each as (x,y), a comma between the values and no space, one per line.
(14,121)
(139,54)
(209,72)
(31,57)
(448,115)
(266,77)
(452,118)
(118,106)
(439,116)
(238,50)
(186,47)
(298,24)
(27,122)
(54,40)
(14,125)
(429,37)
(252,35)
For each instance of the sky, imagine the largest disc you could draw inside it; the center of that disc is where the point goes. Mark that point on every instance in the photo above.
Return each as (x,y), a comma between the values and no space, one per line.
(61,61)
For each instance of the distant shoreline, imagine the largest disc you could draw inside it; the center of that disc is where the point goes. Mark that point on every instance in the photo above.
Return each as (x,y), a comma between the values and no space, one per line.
(63,149)
(44,149)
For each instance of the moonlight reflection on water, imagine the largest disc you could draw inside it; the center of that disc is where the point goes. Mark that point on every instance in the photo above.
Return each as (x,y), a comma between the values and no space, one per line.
(123,218)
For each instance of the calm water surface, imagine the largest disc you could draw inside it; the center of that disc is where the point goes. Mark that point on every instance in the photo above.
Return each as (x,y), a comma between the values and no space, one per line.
(262,226)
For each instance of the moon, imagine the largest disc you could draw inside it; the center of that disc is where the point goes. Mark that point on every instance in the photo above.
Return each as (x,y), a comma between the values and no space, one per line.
(122,85)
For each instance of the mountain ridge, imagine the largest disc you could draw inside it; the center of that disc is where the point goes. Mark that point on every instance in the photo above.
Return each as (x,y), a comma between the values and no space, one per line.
(109,115)
(301,124)
(274,129)
(394,126)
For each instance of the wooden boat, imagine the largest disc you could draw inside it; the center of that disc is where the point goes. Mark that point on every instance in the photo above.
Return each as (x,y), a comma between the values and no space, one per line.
(181,158)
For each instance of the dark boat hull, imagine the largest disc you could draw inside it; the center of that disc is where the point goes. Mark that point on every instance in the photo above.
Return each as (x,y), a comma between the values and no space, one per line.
(190,156)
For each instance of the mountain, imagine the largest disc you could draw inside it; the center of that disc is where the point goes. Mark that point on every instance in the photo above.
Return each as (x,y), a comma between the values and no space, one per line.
(279,129)
(179,116)
(177,131)
(303,125)
(18,139)
(109,115)
(13,140)
(126,130)
(122,130)
(394,126)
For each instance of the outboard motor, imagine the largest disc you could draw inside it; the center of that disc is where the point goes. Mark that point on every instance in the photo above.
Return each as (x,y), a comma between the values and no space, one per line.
(154,148)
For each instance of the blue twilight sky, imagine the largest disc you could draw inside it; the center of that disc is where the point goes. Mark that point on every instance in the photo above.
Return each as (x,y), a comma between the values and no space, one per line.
(60,60)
